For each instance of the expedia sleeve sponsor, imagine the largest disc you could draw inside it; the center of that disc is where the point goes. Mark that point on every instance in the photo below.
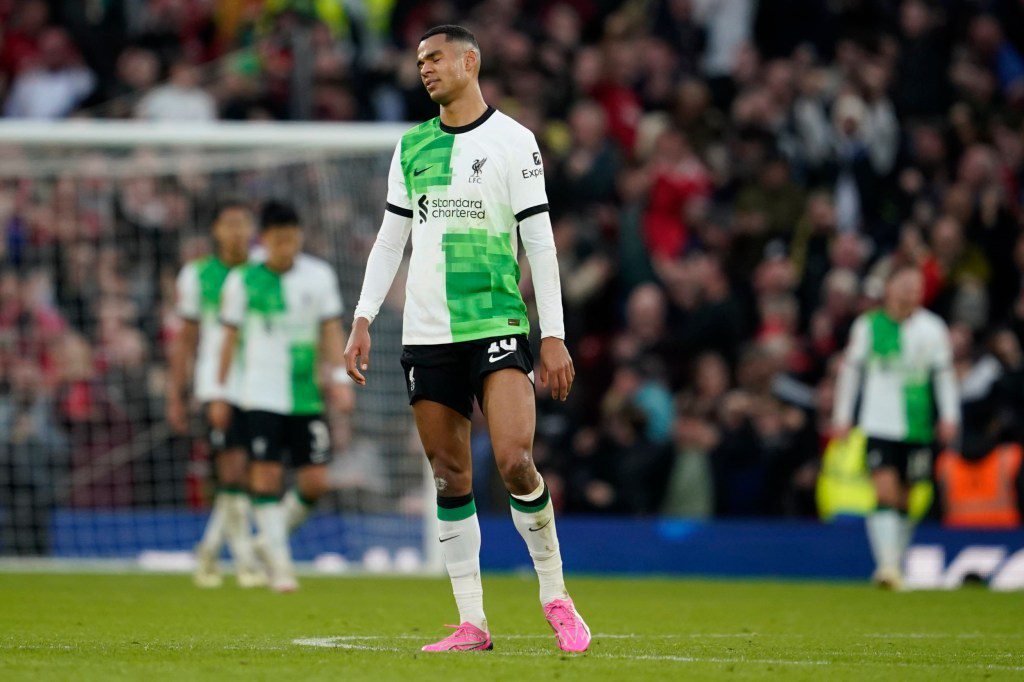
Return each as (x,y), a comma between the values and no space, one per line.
(525,174)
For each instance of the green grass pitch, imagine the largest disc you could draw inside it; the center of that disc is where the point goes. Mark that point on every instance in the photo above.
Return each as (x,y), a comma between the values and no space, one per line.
(156,627)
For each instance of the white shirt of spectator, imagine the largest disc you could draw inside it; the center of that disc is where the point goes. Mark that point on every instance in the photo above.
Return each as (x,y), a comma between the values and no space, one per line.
(279,349)
(173,103)
(45,94)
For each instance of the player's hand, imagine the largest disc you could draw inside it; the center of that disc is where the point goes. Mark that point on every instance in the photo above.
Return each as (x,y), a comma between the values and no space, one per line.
(556,369)
(357,350)
(219,415)
(841,433)
(177,415)
(946,433)
(342,397)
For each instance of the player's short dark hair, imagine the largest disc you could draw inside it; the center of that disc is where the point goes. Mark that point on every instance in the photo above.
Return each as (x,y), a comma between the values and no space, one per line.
(452,33)
(228,203)
(278,214)
(900,268)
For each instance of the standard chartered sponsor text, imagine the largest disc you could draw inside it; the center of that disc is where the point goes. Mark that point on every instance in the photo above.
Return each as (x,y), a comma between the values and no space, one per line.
(472,209)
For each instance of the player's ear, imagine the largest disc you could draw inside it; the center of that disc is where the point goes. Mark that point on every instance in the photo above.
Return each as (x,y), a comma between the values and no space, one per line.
(471,61)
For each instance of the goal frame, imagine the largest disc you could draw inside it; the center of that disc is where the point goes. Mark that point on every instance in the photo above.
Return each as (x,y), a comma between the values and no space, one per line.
(227,135)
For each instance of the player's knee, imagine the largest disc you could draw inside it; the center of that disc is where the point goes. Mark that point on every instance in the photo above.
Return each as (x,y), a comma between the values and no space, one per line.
(450,478)
(268,491)
(312,488)
(265,480)
(887,495)
(517,470)
(888,498)
(231,468)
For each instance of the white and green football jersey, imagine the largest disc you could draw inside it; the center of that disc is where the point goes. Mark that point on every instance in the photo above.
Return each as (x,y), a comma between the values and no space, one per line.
(465,191)
(904,373)
(198,290)
(279,317)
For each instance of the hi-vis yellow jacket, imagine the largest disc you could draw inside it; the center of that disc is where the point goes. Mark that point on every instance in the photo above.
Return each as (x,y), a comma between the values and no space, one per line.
(844,483)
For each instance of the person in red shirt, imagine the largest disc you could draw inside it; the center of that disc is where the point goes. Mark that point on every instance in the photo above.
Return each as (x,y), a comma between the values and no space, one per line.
(677,178)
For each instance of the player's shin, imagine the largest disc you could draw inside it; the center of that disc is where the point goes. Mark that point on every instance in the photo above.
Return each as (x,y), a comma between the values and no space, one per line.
(884,534)
(907,527)
(273,537)
(534,517)
(459,535)
(216,526)
(240,540)
(297,508)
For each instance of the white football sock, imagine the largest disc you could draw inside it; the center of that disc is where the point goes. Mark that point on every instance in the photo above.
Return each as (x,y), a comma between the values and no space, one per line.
(273,530)
(459,535)
(296,510)
(239,532)
(213,535)
(907,526)
(534,517)
(884,532)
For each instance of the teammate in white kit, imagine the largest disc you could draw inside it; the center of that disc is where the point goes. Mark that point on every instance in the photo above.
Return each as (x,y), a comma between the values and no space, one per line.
(198,304)
(466,186)
(902,354)
(285,316)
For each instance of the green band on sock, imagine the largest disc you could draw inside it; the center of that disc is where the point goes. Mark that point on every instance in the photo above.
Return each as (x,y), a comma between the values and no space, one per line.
(266,499)
(458,513)
(304,500)
(533,506)
(232,490)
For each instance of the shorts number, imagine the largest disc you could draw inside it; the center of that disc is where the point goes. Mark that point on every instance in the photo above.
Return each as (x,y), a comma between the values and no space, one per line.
(919,465)
(502,345)
(321,444)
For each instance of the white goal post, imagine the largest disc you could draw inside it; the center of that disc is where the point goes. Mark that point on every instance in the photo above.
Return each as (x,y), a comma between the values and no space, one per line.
(98,215)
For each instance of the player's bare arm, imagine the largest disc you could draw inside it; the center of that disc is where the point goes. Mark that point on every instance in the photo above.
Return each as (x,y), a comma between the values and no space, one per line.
(357,351)
(183,354)
(556,368)
(337,385)
(219,410)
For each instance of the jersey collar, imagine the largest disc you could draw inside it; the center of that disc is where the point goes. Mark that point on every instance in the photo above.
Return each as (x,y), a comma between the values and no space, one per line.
(455,130)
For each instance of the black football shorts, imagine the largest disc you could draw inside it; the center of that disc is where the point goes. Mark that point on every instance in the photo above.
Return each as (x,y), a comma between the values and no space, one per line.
(453,373)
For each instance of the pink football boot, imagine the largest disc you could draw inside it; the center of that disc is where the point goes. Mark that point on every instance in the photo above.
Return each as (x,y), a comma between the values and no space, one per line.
(572,633)
(467,637)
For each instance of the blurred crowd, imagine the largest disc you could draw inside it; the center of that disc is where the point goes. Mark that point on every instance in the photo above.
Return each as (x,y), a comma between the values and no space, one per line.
(730,183)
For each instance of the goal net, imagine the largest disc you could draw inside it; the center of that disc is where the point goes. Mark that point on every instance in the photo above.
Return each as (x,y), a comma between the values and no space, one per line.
(96,219)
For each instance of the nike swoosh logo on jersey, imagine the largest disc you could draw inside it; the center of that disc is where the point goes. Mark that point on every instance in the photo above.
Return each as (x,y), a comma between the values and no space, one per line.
(421,171)
(534,530)
(448,538)
(499,357)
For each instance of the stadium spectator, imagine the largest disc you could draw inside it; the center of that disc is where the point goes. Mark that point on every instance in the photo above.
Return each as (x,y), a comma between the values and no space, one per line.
(19,40)
(731,183)
(180,99)
(33,454)
(53,83)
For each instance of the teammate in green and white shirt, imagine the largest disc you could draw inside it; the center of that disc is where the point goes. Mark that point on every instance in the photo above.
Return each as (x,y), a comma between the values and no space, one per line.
(467,186)
(900,361)
(199,343)
(286,311)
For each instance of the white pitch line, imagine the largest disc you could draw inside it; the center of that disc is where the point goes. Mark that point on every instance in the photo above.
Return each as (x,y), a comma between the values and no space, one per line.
(346,642)
(357,642)
(935,635)
(698,635)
